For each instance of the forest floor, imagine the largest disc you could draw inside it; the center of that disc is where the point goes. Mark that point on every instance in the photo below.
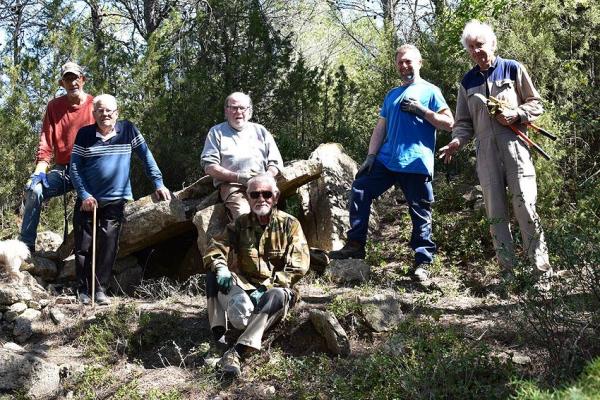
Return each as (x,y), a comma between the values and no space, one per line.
(462,336)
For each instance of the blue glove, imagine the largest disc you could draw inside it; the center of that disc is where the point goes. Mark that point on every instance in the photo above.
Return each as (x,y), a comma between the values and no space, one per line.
(257,294)
(34,179)
(224,279)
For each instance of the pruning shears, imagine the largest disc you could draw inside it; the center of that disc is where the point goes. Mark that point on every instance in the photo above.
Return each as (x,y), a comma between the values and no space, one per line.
(496,106)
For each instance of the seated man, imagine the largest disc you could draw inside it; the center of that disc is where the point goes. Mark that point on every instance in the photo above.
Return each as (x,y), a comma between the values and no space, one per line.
(272,255)
(235,151)
(100,166)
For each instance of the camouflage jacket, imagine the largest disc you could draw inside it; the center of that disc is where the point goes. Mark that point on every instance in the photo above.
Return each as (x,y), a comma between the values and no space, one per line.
(275,256)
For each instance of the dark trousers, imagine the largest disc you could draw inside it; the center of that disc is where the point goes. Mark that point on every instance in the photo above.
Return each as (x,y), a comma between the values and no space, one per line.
(418,192)
(109,220)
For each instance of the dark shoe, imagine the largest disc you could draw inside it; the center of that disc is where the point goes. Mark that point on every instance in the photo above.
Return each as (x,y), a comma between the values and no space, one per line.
(85,299)
(352,249)
(102,299)
(231,363)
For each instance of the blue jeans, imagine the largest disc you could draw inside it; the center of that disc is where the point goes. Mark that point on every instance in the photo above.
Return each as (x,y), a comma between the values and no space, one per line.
(418,193)
(57,184)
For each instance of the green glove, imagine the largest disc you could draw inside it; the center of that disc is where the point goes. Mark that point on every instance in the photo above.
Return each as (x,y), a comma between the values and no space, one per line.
(411,105)
(257,294)
(366,166)
(224,279)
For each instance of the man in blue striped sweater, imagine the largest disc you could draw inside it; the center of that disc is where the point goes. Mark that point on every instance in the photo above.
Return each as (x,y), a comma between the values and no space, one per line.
(100,166)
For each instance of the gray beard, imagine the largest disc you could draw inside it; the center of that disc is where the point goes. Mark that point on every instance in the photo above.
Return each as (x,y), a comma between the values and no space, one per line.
(261,211)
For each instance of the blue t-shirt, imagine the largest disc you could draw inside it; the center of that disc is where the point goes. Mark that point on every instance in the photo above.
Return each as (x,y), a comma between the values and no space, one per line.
(410,140)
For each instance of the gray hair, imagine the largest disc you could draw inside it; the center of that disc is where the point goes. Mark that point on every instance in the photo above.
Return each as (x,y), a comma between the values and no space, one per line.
(238,94)
(106,99)
(263,178)
(408,47)
(475,29)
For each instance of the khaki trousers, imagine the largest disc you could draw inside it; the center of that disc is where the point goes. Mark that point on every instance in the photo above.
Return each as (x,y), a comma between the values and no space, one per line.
(503,161)
(236,309)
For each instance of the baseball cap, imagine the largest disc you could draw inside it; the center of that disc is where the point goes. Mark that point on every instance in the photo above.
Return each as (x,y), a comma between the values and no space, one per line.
(71,67)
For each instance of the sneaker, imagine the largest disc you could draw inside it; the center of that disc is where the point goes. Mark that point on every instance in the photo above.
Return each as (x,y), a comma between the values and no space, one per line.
(231,363)
(85,299)
(102,299)
(420,273)
(352,249)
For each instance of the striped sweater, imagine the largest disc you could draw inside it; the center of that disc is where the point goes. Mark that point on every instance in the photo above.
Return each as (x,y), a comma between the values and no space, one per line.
(101,169)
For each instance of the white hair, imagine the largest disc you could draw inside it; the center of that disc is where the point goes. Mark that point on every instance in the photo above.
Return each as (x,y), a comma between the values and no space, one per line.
(475,29)
(263,178)
(240,95)
(107,99)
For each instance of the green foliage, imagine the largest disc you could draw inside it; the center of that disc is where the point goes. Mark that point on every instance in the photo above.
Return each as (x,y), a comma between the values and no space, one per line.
(108,336)
(585,387)
(342,307)
(419,361)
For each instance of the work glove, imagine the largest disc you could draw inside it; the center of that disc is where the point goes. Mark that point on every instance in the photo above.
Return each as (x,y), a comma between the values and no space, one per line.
(257,294)
(244,177)
(35,178)
(224,279)
(411,105)
(366,166)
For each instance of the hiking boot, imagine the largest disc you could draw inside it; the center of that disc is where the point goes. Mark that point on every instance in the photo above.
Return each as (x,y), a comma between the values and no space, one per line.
(231,363)
(102,299)
(352,249)
(420,273)
(84,299)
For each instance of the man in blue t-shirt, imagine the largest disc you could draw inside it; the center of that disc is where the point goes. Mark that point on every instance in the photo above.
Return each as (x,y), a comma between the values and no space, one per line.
(401,152)
(99,170)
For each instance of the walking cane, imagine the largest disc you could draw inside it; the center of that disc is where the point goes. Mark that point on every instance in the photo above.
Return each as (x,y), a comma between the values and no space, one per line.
(93,255)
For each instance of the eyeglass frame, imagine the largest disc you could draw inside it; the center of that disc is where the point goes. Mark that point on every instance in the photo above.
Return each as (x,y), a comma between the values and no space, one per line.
(239,108)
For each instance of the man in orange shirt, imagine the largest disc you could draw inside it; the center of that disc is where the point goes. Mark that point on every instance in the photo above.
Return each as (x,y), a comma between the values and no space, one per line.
(64,116)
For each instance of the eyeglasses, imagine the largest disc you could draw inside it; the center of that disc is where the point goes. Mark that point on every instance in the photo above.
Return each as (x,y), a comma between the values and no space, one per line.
(103,111)
(239,108)
(266,194)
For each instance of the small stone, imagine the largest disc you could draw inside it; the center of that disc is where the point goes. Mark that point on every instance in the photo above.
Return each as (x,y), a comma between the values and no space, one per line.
(349,271)
(521,359)
(14,311)
(13,346)
(23,329)
(34,304)
(56,315)
(328,326)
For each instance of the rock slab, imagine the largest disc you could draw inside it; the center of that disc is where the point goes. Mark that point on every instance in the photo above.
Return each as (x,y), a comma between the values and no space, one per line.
(328,326)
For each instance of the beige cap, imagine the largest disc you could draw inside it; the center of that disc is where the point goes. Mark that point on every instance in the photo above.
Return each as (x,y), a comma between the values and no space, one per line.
(71,67)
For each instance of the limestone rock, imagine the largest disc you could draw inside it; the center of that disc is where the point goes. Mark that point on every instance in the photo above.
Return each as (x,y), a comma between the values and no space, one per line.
(209,222)
(67,272)
(348,271)
(149,221)
(14,293)
(324,202)
(14,311)
(38,378)
(56,315)
(13,346)
(47,244)
(328,326)
(382,311)
(23,325)
(43,267)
